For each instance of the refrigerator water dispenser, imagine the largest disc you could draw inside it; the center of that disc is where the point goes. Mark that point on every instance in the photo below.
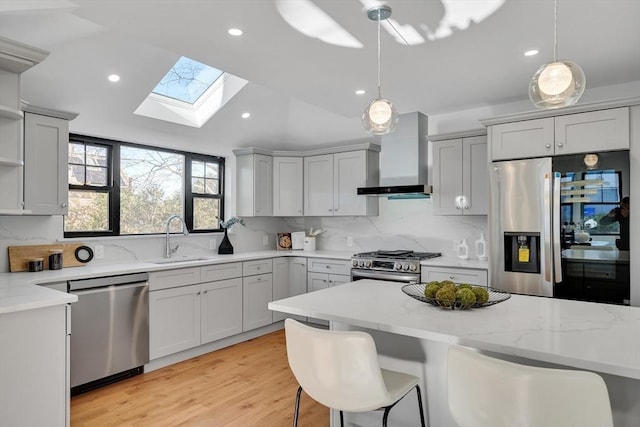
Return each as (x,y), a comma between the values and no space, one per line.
(522,252)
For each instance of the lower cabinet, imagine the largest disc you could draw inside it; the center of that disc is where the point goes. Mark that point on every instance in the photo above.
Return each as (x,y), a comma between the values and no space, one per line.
(257,294)
(595,281)
(188,315)
(35,389)
(289,279)
(471,276)
(324,273)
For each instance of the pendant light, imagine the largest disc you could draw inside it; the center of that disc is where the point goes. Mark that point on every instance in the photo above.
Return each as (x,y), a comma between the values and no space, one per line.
(559,83)
(380,117)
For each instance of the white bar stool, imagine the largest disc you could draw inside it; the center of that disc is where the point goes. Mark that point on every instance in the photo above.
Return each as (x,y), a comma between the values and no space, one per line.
(340,370)
(488,392)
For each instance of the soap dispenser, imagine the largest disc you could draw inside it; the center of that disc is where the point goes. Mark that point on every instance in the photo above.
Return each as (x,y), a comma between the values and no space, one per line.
(481,248)
(463,250)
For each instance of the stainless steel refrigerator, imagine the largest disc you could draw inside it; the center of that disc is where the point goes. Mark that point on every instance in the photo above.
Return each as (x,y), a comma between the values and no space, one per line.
(530,252)
(524,217)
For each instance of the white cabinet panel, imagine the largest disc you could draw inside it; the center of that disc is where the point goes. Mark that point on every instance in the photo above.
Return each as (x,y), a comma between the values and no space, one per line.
(173,278)
(46,148)
(257,294)
(287,186)
(530,138)
(221,309)
(318,185)
(457,275)
(593,131)
(214,272)
(254,185)
(331,266)
(174,320)
(475,176)
(260,266)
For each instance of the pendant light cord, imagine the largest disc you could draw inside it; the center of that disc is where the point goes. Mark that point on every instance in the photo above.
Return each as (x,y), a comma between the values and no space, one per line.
(555,30)
(379,94)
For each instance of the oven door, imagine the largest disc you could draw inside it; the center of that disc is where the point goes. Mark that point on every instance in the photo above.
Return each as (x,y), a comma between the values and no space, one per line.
(392,276)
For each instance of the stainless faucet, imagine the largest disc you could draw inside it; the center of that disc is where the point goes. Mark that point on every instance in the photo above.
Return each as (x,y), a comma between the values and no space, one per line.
(169,250)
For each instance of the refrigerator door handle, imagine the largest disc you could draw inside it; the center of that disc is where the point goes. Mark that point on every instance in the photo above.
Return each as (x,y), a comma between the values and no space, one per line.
(547,226)
(557,251)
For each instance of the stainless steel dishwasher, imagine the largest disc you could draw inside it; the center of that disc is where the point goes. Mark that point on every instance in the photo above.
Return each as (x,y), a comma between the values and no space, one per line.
(109,329)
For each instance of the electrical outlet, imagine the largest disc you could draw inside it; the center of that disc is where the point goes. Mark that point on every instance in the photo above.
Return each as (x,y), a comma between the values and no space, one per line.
(349,241)
(98,251)
(213,243)
(265,240)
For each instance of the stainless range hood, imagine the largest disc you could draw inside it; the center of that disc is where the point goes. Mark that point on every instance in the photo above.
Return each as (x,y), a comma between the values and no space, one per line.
(403,161)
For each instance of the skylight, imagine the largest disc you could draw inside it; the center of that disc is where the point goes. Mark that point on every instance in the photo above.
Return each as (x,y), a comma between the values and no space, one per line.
(190,93)
(187,80)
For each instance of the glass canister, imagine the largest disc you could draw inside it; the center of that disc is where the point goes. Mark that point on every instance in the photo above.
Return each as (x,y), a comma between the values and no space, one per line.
(55,259)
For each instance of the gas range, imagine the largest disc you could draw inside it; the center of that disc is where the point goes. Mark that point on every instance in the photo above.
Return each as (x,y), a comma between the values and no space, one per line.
(385,261)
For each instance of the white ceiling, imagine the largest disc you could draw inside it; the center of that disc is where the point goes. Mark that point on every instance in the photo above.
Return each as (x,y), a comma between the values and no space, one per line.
(301,90)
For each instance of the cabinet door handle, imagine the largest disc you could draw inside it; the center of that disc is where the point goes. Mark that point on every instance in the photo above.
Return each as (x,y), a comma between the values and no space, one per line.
(198,293)
(63,205)
(560,144)
(204,292)
(452,277)
(547,146)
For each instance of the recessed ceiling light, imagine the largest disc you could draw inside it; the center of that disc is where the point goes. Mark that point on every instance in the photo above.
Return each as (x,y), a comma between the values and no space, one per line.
(114,78)
(531,52)
(235,32)
(246,115)
(360,92)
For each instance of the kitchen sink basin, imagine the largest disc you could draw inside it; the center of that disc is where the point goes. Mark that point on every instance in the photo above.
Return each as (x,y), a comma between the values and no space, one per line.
(181,259)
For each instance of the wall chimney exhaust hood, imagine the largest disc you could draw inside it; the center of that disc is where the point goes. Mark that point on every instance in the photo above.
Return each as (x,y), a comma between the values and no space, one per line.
(403,161)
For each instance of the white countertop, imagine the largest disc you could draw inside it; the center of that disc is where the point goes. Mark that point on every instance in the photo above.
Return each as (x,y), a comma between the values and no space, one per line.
(19,291)
(598,337)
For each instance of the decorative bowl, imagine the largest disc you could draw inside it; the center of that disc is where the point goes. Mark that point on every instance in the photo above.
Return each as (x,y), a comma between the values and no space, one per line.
(416,291)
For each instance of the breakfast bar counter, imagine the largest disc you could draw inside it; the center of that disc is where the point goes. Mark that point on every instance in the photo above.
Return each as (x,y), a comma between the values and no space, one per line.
(540,331)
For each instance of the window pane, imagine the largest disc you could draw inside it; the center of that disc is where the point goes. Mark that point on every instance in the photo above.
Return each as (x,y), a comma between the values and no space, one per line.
(151,182)
(212,170)
(76,174)
(197,185)
(97,156)
(96,176)
(76,153)
(197,169)
(212,186)
(206,213)
(88,211)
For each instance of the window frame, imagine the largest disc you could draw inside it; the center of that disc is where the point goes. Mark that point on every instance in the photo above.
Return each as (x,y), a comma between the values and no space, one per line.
(114,188)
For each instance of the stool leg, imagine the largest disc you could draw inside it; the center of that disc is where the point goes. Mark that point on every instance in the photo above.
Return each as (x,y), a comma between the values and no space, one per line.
(341,419)
(420,407)
(386,415)
(297,407)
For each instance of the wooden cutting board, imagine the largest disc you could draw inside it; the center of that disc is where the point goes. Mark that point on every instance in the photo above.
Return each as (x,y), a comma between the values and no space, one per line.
(19,256)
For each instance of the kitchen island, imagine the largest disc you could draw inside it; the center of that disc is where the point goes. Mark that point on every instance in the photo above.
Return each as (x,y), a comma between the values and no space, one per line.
(414,336)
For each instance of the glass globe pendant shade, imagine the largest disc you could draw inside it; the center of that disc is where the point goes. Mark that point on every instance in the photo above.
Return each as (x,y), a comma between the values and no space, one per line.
(380,117)
(557,84)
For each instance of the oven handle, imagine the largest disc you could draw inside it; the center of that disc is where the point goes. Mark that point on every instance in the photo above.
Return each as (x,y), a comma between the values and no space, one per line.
(380,275)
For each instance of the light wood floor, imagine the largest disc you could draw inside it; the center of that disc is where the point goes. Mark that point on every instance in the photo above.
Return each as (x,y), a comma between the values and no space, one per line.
(245,385)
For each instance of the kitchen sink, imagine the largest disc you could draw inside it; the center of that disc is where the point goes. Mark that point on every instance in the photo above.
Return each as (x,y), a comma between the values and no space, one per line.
(180,259)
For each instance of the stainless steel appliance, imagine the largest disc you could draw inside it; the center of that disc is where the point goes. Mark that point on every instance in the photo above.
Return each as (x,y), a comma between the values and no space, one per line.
(533,201)
(396,266)
(109,329)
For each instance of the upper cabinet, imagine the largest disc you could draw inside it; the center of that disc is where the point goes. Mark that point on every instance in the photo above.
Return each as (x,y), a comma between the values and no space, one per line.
(287,186)
(591,131)
(254,184)
(311,183)
(331,182)
(459,174)
(46,148)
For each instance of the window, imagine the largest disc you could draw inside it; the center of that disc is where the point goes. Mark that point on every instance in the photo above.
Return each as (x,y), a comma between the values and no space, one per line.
(588,196)
(116,188)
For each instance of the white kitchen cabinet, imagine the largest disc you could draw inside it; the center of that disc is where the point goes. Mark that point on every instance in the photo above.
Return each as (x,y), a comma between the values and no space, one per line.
(185,313)
(460,176)
(174,320)
(471,276)
(287,186)
(257,293)
(221,309)
(331,182)
(289,279)
(592,131)
(254,184)
(325,273)
(46,148)
(34,367)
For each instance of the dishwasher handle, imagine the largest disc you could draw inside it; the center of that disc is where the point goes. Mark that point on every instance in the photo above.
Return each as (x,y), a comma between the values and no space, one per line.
(100,282)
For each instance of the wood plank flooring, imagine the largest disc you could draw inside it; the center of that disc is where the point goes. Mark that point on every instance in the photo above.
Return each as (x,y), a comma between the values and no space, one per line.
(245,385)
